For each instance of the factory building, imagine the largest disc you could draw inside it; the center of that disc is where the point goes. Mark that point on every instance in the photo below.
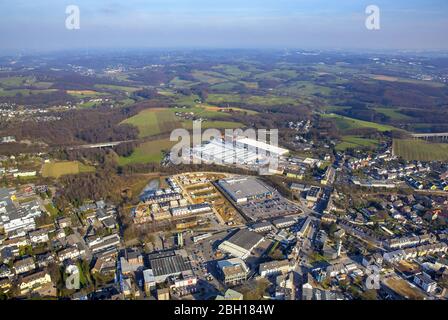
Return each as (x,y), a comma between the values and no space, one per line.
(241,244)
(168,264)
(244,189)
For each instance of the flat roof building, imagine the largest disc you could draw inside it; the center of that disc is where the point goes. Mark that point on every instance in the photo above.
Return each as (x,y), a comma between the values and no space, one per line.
(275,267)
(313,194)
(261,227)
(284,222)
(241,244)
(169,263)
(234,271)
(243,189)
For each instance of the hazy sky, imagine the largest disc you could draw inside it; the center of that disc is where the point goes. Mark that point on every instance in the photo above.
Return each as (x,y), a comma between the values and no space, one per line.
(313,24)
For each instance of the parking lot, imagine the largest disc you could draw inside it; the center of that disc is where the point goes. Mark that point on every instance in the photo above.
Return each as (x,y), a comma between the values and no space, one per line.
(269,208)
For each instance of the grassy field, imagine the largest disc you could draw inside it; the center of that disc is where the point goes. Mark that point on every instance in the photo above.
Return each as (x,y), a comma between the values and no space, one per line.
(356,142)
(394,114)
(233,72)
(85,93)
(117,88)
(421,150)
(153,121)
(276,74)
(214,125)
(305,88)
(259,100)
(147,152)
(156,121)
(60,168)
(346,123)
(209,77)
(179,83)
(24,92)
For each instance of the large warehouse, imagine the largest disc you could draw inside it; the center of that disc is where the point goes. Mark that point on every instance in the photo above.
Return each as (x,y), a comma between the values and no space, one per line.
(241,151)
(241,244)
(243,189)
(169,263)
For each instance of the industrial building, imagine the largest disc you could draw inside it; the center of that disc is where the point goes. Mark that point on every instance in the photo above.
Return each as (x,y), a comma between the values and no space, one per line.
(169,263)
(263,146)
(241,244)
(241,150)
(244,189)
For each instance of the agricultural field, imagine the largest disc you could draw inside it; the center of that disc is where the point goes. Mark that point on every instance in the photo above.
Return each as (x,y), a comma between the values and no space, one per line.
(277,74)
(305,88)
(151,122)
(117,88)
(420,150)
(29,82)
(85,93)
(60,168)
(209,77)
(393,114)
(356,142)
(346,123)
(23,92)
(256,100)
(179,83)
(147,152)
(214,125)
(232,71)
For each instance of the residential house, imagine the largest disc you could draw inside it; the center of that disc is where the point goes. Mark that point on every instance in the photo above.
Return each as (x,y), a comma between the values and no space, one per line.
(24,265)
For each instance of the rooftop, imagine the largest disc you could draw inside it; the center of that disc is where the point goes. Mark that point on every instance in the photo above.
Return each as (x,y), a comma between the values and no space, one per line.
(245,239)
(168,263)
(244,187)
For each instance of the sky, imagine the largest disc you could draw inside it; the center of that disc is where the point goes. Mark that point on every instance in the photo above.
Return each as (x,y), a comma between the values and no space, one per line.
(40,25)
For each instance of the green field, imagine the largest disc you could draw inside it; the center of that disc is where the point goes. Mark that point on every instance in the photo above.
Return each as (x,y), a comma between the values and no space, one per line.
(346,123)
(60,168)
(147,152)
(214,125)
(151,122)
(232,72)
(117,88)
(156,121)
(305,88)
(268,100)
(355,142)
(393,114)
(81,94)
(277,74)
(209,77)
(23,92)
(179,83)
(421,150)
